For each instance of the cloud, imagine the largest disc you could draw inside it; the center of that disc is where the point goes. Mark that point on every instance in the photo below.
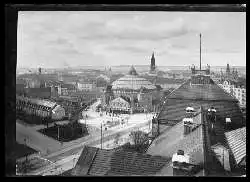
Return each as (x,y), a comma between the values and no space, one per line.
(85,38)
(133,30)
(127,48)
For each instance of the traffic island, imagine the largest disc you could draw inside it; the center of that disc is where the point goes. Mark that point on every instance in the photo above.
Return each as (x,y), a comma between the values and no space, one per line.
(66,132)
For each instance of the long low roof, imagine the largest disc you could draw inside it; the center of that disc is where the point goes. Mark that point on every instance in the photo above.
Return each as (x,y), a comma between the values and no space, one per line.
(37,101)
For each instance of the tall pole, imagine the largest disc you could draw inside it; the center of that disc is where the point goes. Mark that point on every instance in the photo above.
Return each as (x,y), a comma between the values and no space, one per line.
(200,51)
(101,135)
(58,132)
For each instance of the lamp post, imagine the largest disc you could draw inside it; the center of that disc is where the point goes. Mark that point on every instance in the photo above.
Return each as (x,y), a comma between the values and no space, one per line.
(58,130)
(101,135)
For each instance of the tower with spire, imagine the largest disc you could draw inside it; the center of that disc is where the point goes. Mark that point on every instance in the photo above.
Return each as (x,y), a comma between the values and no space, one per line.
(228,70)
(152,65)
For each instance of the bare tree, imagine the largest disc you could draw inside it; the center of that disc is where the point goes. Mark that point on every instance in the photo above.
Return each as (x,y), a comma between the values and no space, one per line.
(117,138)
(138,137)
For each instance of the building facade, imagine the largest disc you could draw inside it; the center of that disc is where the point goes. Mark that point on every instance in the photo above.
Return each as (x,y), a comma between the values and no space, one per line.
(238,91)
(133,89)
(38,107)
(85,86)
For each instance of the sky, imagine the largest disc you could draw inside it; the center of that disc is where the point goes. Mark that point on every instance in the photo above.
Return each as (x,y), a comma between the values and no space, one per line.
(56,39)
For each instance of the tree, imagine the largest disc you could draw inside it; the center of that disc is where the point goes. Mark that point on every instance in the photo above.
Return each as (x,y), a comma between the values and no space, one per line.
(139,139)
(117,138)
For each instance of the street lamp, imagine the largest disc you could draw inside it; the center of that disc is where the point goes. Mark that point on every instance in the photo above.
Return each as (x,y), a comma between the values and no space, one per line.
(58,130)
(101,135)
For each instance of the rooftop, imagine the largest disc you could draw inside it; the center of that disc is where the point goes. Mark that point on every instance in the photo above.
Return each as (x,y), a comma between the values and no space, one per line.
(37,101)
(196,144)
(132,81)
(98,162)
(237,142)
(201,92)
(174,139)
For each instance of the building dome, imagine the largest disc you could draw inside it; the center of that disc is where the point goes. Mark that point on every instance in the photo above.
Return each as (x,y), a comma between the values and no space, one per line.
(132,81)
(132,71)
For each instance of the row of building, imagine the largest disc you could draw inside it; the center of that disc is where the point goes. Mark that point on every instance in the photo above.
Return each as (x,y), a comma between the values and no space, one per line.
(235,89)
(38,107)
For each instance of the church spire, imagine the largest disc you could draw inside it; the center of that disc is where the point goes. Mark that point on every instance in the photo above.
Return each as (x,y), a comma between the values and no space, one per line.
(152,66)
(228,69)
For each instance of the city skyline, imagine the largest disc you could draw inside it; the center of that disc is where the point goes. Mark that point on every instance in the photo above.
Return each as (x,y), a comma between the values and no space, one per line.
(70,39)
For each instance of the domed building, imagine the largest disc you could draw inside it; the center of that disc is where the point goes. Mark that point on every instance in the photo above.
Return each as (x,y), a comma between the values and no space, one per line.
(133,90)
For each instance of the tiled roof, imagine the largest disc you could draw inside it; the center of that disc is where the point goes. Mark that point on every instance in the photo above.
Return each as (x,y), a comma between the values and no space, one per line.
(237,143)
(174,139)
(37,101)
(84,161)
(169,142)
(201,92)
(174,109)
(113,163)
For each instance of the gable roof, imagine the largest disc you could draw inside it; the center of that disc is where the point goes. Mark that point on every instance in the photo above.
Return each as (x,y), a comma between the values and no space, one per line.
(121,99)
(201,92)
(237,142)
(98,162)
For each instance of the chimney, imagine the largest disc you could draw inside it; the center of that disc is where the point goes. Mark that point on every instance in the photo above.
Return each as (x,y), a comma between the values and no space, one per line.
(179,159)
(188,125)
(190,112)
